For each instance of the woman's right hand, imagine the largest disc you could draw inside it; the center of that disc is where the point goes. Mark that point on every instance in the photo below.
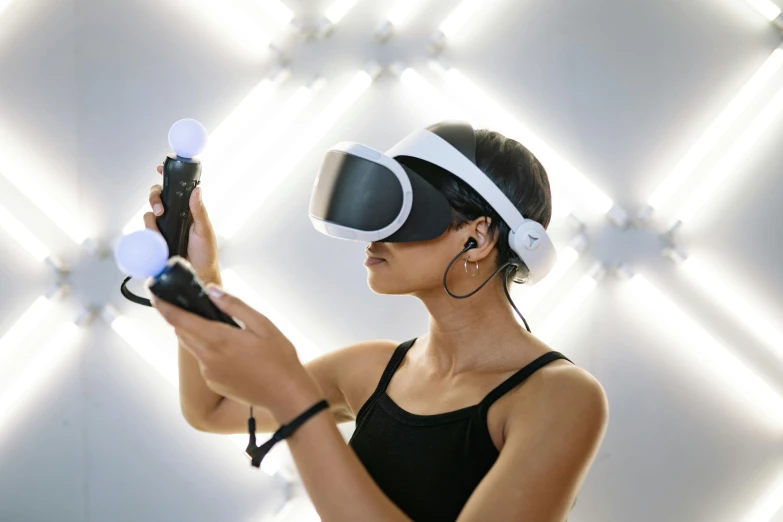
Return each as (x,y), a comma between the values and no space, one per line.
(202,241)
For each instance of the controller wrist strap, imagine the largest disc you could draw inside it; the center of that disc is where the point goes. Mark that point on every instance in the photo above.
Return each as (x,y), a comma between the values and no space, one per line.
(131,296)
(257,453)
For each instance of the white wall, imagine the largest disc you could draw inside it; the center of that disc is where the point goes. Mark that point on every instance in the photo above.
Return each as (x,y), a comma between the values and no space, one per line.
(622,90)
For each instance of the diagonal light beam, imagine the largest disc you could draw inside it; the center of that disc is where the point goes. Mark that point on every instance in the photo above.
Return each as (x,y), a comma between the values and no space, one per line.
(717,129)
(728,164)
(766,8)
(36,370)
(231,134)
(252,198)
(570,304)
(768,504)
(706,352)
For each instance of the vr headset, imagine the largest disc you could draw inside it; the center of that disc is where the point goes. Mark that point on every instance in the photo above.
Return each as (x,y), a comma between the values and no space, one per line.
(362,194)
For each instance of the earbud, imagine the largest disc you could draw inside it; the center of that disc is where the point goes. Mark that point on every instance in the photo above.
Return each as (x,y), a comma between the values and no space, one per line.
(472,243)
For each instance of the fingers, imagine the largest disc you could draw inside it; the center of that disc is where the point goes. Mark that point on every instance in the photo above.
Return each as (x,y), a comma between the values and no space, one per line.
(160,169)
(201,224)
(155,201)
(150,222)
(188,323)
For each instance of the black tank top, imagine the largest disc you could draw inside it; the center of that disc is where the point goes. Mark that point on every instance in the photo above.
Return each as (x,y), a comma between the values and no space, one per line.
(429,465)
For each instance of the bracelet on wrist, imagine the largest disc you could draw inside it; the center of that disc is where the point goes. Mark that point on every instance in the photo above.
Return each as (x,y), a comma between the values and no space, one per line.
(257,453)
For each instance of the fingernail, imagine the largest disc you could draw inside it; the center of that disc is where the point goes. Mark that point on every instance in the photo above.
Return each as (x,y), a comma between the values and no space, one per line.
(157,209)
(214,291)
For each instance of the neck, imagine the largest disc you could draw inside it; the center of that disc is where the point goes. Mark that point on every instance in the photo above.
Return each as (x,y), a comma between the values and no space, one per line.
(472,333)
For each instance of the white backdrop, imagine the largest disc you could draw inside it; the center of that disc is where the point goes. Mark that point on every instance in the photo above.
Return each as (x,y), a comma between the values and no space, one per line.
(615,98)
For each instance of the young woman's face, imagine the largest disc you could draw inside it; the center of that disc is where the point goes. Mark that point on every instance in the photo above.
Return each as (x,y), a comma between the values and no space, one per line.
(414,267)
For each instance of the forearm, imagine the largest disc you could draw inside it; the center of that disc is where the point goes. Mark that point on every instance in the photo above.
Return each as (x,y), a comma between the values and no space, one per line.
(337,482)
(197,401)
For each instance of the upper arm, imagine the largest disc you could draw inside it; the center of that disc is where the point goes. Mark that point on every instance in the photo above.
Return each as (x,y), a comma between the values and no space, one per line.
(341,371)
(550,444)
(354,366)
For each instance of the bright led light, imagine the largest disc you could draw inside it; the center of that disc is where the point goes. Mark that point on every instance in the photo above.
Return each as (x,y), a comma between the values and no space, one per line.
(400,13)
(244,163)
(237,286)
(716,130)
(17,163)
(254,197)
(434,102)
(233,24)
(23,327)
(278,11)
(38,368)
(735,304)
(22,234)
(226,137)
(568,306)
(726,165)
(770,503)
(457,18)
(157,352)
(3,5)
(733,376)
(339,9)
(529,297)
(767,8)
(564,178)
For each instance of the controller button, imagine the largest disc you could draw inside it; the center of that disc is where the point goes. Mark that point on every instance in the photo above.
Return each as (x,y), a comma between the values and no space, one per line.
(183,214)
(180,193)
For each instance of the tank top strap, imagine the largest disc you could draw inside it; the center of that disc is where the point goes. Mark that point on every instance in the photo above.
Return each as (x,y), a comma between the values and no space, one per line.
(519,377)
(392,365)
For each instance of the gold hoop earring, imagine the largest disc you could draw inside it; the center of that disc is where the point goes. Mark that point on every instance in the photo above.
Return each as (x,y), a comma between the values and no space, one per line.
(466,268)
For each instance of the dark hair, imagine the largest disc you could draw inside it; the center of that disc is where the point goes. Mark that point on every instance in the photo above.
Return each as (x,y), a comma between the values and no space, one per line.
(516,172)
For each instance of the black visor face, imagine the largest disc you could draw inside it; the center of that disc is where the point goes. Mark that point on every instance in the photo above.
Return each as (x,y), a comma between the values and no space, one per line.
(356,193)
(363,195)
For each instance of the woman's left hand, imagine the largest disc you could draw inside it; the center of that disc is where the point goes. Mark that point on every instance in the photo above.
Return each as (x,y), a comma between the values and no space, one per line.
(254,365)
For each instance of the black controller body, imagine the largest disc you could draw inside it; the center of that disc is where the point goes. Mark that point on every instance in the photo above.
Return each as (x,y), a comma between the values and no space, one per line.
(179,285)
(180,177)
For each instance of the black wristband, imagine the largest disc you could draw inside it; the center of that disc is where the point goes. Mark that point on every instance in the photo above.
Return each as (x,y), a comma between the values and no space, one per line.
(257,453)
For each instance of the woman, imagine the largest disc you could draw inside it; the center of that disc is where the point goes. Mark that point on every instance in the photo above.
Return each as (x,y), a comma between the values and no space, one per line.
(475,420)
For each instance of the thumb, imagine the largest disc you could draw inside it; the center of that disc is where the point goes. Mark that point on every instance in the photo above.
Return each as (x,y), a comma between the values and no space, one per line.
(237,308)
(199,212)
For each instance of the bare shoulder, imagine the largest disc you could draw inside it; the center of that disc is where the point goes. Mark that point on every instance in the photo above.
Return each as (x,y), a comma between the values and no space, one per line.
(561,394)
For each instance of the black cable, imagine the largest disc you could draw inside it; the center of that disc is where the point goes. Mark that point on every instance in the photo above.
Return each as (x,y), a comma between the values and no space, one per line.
(508,266)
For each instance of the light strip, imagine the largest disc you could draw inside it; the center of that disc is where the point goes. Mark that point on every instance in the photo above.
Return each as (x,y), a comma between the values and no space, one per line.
(459,16)
(4,5)
(16,170)
(716,130)
(768,9)
(162,355)
(38,368)
(235,285)
(432,100)
(569,305)
(254,197)
(770,503)
(278,11)
(233,24)
(338,10)
(23,235)
(707,352)
(489,113)
(223,140)
(23,327)
(736,305)
(401,11)
(726,165)
(245,163)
